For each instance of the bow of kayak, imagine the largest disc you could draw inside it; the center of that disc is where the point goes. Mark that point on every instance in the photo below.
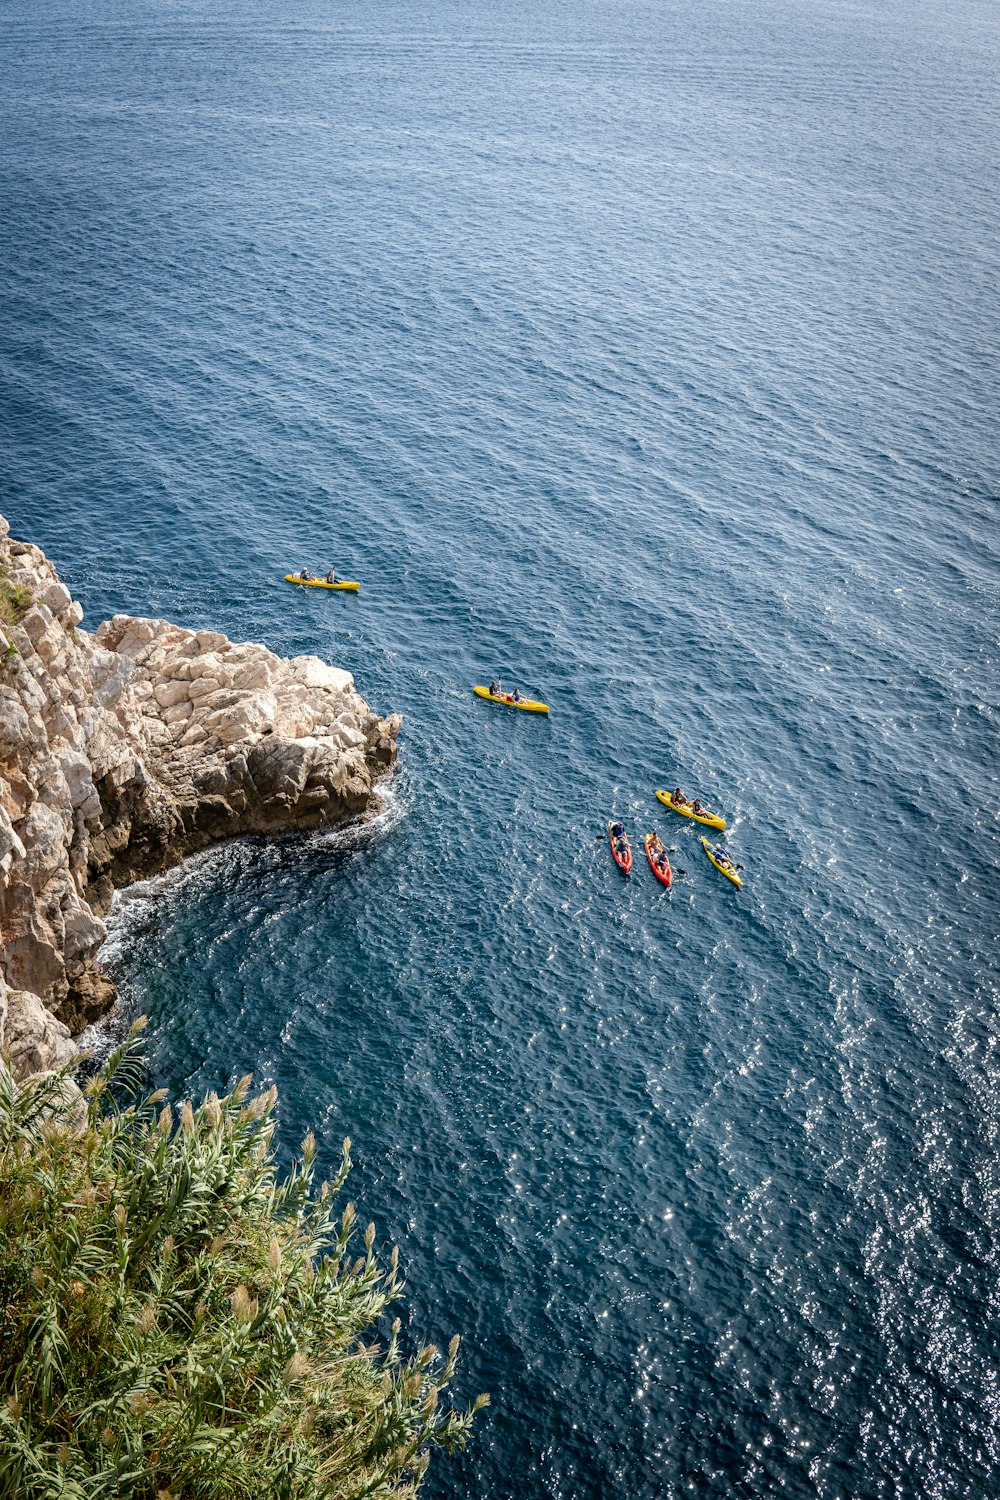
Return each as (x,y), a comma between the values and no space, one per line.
(727,870)
(528,704)
(710,819)
(653,846)
(623,861)
(321,583)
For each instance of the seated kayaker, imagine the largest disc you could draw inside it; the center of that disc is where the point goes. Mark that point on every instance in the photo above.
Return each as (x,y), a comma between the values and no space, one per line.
(678,798)
(722,856)
(494,690)
(515,696)
(696,805)
(617,831)
(331,577)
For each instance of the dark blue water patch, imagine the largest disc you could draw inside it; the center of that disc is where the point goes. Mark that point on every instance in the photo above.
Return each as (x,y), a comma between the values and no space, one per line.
(647,357)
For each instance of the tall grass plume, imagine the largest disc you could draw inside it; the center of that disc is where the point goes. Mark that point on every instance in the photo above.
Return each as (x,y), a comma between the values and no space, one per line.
(178,1318)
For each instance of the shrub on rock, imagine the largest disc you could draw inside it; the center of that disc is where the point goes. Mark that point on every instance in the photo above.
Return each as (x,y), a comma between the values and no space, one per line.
(178,1321)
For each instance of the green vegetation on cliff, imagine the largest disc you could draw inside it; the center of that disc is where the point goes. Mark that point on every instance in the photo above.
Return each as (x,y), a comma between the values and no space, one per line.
(15,599)
(178,1322)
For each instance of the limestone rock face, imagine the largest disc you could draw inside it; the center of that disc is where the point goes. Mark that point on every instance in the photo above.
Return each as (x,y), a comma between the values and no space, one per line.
(239,740)
(34,1041)
(124,751)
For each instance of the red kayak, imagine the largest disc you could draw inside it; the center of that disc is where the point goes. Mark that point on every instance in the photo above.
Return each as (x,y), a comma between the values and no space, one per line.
(622,859)
(657,856)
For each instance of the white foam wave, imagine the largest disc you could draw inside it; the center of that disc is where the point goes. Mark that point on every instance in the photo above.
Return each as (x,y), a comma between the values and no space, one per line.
(138,909)
(392,803)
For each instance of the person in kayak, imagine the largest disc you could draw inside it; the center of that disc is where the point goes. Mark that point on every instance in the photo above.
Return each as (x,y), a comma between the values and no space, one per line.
(305,575)
(494,690)
(723,857)
(696,805)
(678,798)
(515,696)
(331,577)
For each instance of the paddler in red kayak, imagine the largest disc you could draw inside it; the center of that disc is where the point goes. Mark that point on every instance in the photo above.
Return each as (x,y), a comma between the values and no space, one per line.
(657,856)
(621,851)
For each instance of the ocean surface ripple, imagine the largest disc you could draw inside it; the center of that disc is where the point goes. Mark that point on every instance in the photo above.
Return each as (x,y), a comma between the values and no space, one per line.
(646,354)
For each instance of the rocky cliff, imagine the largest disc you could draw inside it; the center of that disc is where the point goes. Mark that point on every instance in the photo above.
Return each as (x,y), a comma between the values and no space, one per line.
(124,751)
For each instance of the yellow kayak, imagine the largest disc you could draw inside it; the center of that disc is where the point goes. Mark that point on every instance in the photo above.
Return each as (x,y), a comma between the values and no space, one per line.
(710,819)
(728,870)
(528,704)
(321,583)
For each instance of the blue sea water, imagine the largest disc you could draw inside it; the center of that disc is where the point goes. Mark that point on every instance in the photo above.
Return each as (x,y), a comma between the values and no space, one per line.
(646,353)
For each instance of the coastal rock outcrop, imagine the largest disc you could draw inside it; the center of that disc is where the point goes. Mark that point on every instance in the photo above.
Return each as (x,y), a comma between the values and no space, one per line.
(34,1040)
(124,751)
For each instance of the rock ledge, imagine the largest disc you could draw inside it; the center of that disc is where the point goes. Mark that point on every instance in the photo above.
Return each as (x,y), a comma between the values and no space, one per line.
(125,751)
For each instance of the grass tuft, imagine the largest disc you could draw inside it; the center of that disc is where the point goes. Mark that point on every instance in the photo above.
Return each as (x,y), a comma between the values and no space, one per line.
(15,599)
